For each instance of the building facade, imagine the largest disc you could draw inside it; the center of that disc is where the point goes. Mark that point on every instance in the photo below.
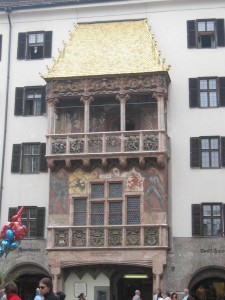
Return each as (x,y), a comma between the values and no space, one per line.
(117,158)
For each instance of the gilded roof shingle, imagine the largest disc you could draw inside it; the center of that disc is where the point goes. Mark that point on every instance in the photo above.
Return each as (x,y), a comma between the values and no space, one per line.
(107,49)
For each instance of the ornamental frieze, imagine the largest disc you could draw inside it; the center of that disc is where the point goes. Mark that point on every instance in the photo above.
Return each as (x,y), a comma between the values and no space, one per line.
(111,85)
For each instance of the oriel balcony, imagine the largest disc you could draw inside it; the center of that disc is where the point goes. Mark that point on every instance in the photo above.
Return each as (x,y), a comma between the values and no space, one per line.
(107,128)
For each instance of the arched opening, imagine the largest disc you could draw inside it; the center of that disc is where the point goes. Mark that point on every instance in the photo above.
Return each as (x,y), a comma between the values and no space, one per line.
(208,284)
(28,279)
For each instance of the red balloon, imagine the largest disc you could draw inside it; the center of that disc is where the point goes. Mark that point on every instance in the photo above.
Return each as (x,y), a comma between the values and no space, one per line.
(19,230)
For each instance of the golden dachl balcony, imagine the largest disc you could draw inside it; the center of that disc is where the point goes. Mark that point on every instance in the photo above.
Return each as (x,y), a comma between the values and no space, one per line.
(122,127)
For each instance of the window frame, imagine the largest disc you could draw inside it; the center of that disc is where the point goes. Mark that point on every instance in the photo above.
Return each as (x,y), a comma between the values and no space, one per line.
(24,46)
(106,201)
(17,158)
(193,34)
(196,152)
(21,100)
(198,219)
(194,92)
(39,223)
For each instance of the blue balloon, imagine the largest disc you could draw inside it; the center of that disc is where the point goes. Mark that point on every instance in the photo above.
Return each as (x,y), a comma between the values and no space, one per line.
(1,252)
(9,234)
(5,244)
(14,245)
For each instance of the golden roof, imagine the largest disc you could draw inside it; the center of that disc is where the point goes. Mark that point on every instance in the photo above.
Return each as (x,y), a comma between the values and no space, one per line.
(125,47)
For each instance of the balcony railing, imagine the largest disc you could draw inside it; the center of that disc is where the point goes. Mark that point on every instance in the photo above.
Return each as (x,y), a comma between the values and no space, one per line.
(104,237)
(116,142)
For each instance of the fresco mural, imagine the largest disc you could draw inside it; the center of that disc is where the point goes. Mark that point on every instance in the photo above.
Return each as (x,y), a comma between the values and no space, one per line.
(78,182)
(154,190)
(59,187)
(149,183)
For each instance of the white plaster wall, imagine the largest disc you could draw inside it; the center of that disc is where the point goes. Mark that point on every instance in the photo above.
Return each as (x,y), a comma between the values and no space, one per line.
(91,283)
(28,189)
(168,22)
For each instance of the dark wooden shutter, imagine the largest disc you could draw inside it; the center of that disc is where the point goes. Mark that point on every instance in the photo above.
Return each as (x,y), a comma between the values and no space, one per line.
(193,92)
(16,156)
(40,222)
(196,219)
(223,207)
(48,44)
(191,34)
(222,91)
(222,151)
(12,212)
(18,111)
(21,50)
(43,100)
(0,47)
(220,33)
(195,152)
(43,162)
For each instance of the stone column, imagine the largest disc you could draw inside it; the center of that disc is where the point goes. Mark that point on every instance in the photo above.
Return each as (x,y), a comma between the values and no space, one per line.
(157,270)
(55,281)
(122,98)
(161,110)
(51,115)
(86,99)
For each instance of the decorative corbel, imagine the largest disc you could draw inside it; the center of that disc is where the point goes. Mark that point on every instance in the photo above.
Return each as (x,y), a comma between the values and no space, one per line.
(68,164)
(142,162)
(104,162)
(161,161)
(86,163)
(123,162)
(51,164)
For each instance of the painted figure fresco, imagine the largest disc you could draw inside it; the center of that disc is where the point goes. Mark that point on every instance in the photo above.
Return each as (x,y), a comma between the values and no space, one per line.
(59,187)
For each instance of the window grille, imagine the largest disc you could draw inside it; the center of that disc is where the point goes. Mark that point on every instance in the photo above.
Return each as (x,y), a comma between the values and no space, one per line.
(80,209)
(133,210)
(97,191)
(115,190)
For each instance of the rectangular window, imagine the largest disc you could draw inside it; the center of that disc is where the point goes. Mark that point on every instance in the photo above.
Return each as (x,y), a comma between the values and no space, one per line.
(115,213)
(207,152)
(208,92)
(208,33)
(210,152)
(97,213)
(30,101)
(207,219)
(97,191)
(105,206)
(29,158)
(212,219)
(34,45)
(133,210)
(33,218)
(80,212)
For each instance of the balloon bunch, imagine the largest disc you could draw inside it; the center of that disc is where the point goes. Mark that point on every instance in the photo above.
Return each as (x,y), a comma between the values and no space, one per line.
(12,233)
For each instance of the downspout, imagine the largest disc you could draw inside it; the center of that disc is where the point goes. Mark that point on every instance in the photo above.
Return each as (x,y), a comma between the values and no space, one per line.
(8,10)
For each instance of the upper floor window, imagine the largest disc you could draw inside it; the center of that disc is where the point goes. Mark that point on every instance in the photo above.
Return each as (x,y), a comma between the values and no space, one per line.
(33,218)
(208,33)
(207,219)
(34,45)
(207,92)
(30,101)
(105,206)
(29,158)
(0,47)
(207,152)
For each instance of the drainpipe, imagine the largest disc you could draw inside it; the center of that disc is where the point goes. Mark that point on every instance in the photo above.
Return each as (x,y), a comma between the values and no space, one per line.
(8,10)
